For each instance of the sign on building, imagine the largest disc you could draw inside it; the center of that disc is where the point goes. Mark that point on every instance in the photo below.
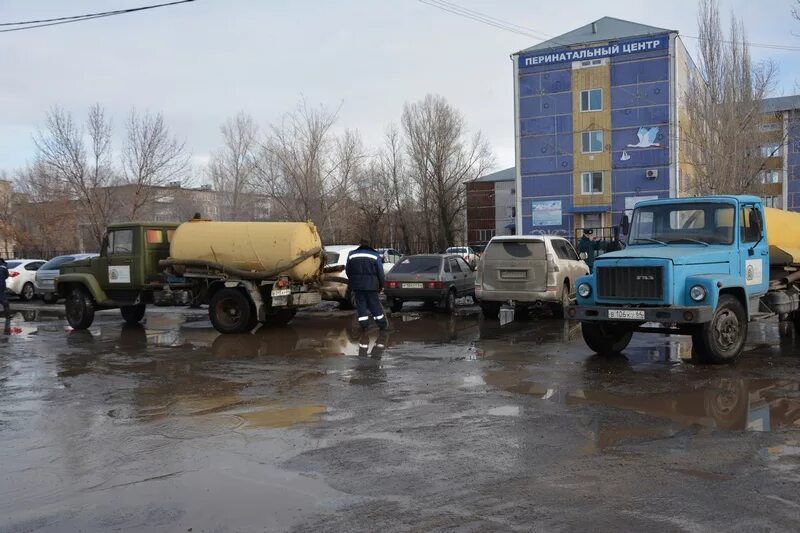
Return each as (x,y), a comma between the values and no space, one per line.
(546,213)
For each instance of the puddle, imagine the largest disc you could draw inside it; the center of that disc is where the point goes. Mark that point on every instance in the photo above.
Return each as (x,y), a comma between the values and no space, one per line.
(281,417)
(732,404)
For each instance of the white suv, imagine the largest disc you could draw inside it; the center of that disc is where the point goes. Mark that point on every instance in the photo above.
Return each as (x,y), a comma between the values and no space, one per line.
(22,276)
(527,271)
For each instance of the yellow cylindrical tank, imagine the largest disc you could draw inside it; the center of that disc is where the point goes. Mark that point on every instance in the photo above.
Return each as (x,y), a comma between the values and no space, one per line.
(783,235)
(251,246)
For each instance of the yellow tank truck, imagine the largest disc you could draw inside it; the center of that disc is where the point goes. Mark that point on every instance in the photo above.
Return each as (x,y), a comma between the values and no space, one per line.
(247,272)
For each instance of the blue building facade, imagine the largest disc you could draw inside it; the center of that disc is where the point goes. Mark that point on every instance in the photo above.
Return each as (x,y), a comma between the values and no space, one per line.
(596,122)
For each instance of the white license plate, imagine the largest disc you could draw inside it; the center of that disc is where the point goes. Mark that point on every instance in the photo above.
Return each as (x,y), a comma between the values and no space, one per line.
(625,314)
(412,285)
(514,274)
(277,293)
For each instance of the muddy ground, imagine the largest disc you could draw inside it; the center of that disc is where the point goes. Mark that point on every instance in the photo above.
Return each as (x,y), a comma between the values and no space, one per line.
(443,423)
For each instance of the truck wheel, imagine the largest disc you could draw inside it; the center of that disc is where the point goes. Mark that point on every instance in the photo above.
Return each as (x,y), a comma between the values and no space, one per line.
(560,308)
(79,308)
(348,303)
(230,311)
(133,314)
(280,317)
(605,339)
(27,293)
(490,310)
(397,305)
(722,339)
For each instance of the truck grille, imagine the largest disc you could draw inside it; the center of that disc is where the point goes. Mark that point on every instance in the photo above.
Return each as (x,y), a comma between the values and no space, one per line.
(646,283)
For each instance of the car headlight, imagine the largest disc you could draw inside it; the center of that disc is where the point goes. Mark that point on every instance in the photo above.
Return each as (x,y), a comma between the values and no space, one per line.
(584,290)
(698,293)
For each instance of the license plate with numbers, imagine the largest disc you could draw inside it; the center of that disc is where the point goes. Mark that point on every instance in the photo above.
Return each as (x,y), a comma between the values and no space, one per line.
(625,314)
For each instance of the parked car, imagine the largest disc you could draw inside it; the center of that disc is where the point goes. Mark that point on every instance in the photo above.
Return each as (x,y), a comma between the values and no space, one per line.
(466,252)
(334,281)
(390,255)
(430,279)
(22,277)
(528,271)
(49,271)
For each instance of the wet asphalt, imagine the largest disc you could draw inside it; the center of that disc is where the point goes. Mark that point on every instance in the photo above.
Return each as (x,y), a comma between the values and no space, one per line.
(443,423)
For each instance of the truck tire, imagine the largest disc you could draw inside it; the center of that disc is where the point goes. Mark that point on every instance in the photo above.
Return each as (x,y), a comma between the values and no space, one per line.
(490,310)
(230,311)
(280,317)
(605,339)
(349,302)
(133,314)
(79,308)
(722,339)
(396,305)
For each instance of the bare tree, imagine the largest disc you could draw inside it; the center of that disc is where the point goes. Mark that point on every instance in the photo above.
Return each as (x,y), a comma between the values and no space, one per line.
(399,186)
(306,170)
(723,137)
(65,167)
(233,167)
(443,157)
(151,158)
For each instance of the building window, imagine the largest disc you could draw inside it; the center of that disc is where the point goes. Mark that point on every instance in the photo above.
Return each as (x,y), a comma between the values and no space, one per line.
(593,221)
(771,150)
(773,201)
(592,141)
(592,100)
(592,183)
(485,235)
(770,176)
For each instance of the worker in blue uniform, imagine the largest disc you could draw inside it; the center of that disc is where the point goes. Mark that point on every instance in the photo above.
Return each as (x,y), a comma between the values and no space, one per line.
(365,280)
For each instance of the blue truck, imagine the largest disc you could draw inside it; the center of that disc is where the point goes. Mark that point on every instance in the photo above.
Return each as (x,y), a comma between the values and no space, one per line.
(700,266)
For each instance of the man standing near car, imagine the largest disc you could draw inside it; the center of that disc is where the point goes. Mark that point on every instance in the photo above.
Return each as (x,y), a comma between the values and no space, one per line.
(588,246)
(365,280)
(3,278)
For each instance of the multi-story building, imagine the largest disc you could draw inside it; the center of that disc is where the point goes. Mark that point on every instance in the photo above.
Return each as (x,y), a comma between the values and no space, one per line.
(781,170)
(597,118)
(491,206)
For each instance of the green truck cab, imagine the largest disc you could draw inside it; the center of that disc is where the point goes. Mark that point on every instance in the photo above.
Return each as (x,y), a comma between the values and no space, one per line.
(124,276)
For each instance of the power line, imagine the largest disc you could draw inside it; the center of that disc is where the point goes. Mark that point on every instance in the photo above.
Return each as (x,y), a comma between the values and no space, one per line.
(530,32)
(31,24)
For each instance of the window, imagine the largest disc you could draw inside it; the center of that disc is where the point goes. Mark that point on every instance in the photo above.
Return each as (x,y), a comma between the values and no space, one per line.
(485,235)
(420,264)
(773,201)
(120,241)
(747,226)
(592,142)
(710,223)
(592,100)
(464,266)
(504,250)
(560,249)
(447,266)
(770,176)
(571,252)
(34,266)
(155,236)
(592,221)
(592,183)
(771,150)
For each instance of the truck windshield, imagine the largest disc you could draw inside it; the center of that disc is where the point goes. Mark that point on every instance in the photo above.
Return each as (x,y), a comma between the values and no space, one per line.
(688,223)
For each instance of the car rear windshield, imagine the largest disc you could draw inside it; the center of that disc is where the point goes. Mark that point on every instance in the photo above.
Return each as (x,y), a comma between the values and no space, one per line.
(56,262)
(331,258)
(13,264)
(417,265)
(516,250)
(456,250)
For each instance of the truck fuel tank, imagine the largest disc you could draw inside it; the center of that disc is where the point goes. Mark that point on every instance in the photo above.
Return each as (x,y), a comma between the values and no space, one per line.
(783,236)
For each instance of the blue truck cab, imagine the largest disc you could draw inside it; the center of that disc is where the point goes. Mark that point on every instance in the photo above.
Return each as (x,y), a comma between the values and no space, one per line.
(693,266)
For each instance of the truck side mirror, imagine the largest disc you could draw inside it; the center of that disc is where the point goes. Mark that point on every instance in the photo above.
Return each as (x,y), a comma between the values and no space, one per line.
(625,224)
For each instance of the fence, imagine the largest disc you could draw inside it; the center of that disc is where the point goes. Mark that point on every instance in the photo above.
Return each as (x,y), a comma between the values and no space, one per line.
(40,253)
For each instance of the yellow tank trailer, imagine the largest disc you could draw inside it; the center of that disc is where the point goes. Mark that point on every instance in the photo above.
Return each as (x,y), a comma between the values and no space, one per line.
(292,249)
(783,236)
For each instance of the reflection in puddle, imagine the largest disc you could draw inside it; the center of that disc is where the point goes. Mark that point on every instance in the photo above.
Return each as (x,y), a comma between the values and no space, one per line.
(734,404)
(281,417)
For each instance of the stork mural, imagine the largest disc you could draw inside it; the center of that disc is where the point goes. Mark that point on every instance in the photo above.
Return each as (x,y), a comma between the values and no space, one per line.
(647,139)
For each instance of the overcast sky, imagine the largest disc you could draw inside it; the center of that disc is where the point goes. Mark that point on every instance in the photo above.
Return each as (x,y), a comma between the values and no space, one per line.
(202,62)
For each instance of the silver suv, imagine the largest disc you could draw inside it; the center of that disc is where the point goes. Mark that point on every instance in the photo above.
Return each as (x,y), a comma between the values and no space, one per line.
(527,272)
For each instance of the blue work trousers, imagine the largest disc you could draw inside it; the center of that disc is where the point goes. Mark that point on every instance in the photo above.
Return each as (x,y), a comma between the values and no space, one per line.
(368,303)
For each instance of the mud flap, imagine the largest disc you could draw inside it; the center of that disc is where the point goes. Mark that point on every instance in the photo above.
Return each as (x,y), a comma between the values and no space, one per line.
(506,315)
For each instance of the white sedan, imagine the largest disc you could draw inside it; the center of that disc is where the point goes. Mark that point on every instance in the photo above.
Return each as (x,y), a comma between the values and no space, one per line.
(334,282)
(466,252)
(22,276)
